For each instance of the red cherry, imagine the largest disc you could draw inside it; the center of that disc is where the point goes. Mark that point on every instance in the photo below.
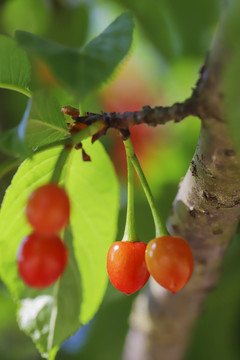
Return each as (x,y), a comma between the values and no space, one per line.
(126,266)
(169,260)
(41,260)
(48,209)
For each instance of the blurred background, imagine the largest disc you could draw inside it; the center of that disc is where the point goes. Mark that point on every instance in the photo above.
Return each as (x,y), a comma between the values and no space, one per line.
(171,40)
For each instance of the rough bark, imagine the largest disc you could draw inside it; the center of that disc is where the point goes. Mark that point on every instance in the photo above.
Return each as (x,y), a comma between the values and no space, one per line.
(158,115)
(205,212)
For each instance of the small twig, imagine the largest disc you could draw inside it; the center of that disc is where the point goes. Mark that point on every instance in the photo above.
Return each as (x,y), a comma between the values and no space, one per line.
(158,115)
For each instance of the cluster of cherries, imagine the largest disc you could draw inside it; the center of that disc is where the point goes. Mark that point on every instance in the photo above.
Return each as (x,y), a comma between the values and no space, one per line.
(168,259)
(42,256)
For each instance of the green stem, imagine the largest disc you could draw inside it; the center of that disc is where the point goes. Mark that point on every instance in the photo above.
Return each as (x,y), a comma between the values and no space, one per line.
(19,89)
(160,227)
(87,132)
(59,164)
(76,138)
(130,229)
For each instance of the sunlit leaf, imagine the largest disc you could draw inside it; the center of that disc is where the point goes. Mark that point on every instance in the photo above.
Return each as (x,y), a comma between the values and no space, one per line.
(94,194)
(55,313)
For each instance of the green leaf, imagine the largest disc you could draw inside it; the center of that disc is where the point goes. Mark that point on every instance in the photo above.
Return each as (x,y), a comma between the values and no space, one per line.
(67,312)
(46,122)
(54,313)
(84,69)
(42,123)
(94,194)
(13,141)
(76,16)
(15,68)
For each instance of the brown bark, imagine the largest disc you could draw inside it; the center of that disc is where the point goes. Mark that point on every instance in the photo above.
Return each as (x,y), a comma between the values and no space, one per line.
(158,115)
(205,212)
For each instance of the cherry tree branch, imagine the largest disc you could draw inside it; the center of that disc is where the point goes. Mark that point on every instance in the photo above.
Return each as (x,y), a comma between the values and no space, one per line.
(158,115)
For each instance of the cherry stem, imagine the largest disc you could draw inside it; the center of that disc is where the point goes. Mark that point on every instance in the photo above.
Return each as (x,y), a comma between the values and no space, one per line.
(62,158)
(76,138)
(160,227)
(130,229)
(88,132)
(68,143)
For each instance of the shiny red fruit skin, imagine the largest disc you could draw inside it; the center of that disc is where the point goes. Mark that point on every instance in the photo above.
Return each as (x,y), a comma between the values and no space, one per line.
(41,260)
(170,261)
(48,209)
(126,266)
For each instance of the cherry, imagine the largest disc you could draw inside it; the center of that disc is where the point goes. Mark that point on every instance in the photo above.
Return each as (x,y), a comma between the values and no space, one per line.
(169,260)
(126,266)
(41,260)
(48,209)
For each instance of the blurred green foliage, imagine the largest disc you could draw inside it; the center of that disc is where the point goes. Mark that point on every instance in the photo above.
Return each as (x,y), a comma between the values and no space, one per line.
(232,104)
(168,24)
